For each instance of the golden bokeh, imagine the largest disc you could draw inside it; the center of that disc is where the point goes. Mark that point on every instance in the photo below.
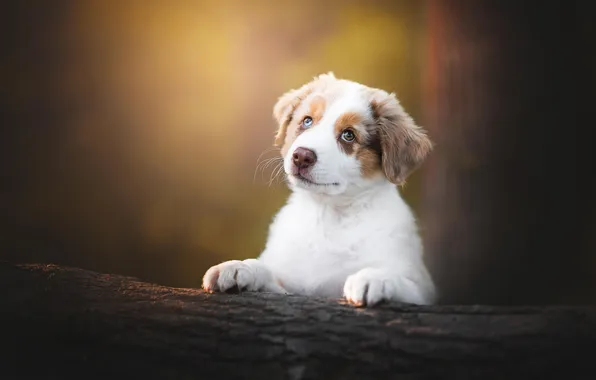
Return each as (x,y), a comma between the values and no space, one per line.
(160,110)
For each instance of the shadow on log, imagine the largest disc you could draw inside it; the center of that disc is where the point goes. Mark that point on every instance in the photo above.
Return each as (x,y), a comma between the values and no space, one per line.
(62,322)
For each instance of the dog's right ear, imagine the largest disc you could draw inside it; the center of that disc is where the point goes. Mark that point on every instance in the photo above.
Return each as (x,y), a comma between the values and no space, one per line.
(404,144)
(288,102)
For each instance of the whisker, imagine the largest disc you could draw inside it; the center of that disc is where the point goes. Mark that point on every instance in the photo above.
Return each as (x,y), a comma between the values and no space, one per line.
(281,178)
(273,174)
(265,163)
(281,175)
(276,173)
(272,181)
(272,161)
(271,149)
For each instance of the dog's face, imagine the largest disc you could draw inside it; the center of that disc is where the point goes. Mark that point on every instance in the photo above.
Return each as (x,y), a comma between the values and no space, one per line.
(337,136)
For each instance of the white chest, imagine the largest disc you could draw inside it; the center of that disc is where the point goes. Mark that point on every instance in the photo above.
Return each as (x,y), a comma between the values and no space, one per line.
(313,251)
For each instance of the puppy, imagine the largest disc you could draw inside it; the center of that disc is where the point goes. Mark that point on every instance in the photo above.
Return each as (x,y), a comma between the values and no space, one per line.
(345,229)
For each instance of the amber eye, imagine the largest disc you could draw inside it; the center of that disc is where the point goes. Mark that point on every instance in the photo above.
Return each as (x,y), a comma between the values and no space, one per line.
(348,135)
(307,122)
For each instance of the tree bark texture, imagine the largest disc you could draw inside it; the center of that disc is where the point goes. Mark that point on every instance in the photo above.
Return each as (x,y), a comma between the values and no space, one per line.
(59,322)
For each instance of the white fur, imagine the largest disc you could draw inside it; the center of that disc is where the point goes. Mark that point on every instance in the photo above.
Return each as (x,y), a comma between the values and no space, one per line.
(354,237)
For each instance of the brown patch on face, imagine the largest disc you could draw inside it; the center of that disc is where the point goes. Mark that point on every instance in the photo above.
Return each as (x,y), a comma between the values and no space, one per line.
(316,110)
(345,121)
(284,110)
(348,119)
(366,147)
(369,154)
(286,105)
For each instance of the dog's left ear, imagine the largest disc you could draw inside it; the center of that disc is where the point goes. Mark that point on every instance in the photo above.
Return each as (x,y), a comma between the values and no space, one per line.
(404,145)
(284,110)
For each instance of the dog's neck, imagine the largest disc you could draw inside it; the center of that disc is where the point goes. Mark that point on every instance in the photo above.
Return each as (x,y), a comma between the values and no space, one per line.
(353,198)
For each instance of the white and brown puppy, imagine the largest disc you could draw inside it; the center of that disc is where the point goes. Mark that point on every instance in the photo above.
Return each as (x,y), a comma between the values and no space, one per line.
(345,229)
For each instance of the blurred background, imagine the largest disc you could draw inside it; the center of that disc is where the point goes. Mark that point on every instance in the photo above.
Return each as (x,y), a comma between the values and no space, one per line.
(131,132)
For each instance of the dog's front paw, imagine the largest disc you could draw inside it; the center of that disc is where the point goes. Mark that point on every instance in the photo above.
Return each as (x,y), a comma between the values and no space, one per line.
(371,286)
(366,288)
(230,275)
(248,275)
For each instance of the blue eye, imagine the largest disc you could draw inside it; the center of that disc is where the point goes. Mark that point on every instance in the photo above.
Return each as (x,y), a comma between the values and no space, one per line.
(307,122)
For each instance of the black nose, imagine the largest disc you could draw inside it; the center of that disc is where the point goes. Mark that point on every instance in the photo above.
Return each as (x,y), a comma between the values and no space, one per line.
(304,158)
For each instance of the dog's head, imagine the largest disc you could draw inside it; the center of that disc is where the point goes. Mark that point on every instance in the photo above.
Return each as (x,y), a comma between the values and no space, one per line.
(339,136)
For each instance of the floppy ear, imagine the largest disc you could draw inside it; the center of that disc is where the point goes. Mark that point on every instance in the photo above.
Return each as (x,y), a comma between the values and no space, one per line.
(284,110)
(404,145)
(288,102)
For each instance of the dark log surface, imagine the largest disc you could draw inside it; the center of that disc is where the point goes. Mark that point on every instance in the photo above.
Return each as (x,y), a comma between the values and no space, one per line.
(60,322)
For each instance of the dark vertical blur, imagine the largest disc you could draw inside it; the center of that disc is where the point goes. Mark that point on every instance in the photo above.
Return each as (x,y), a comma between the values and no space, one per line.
(510,193)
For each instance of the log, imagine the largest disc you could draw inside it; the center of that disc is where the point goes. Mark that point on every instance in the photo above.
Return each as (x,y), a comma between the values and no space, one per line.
(61,322)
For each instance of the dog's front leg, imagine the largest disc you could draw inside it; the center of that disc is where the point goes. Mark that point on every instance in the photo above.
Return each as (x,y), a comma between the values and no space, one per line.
(371,286)
(249,275)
